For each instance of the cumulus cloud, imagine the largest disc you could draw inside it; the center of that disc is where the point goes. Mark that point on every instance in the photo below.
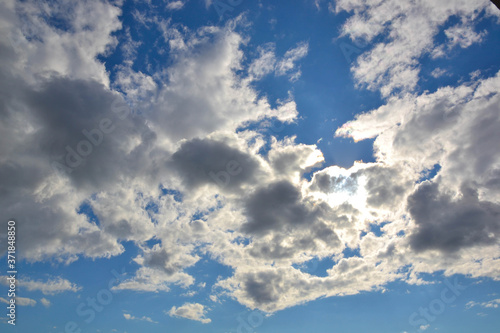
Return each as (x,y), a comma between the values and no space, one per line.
(457,208)
(192,311)
(449,225)
(46,50)
(187,164)
(177,107)
(409,29)
(200,162)
(277,206)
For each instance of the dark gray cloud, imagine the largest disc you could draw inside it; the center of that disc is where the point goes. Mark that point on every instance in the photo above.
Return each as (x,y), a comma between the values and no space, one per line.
(276,206)
(206,161)
(86,130)
(385,186)
(163,260)
(261,287)
(449,225)
(280,206)
(38,123)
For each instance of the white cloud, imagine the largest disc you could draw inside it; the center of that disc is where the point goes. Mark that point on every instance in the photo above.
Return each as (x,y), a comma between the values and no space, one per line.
(287,64)
(494,304)
(45,302)
(143,318)
(412,134)
(175,5)
(268,62)
(192,311)
(179,170)
(438,72)
(43,50)
(462,35)
(265,63)
(409,28)
(50,287)
(21,301)
(227,100)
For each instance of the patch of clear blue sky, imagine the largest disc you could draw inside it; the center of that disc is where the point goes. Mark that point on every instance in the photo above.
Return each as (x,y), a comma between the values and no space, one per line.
(326,98)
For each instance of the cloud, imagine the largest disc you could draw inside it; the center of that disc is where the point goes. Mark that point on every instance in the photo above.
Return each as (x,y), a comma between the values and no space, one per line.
(70,52)
(490,304)
(52,133)
(417,129)
(45,302)
(50,287)
(463,36)
(214,55)
(391,65)
(272,289)
(192,311)
(175,5)
(201,162)
(438,72)
(450,131)
(290,160)
(191,164)
(143,318)
(21,301)
(278,206)
(148,279)
(265,63)
(450,225)
(287,64)
(268,62)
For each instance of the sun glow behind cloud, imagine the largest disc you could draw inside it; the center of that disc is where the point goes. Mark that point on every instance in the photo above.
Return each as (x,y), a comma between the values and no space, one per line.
(344,188)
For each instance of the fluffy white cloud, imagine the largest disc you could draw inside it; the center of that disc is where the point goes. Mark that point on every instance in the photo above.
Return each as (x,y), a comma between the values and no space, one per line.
(409,30)
(42,50)
(453,128)
(192,311)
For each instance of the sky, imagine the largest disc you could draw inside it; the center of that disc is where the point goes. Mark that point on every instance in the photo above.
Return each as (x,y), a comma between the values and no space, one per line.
(250,166)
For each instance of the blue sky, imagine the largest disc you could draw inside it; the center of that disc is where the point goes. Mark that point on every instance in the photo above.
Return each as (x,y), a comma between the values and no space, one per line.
(251,166)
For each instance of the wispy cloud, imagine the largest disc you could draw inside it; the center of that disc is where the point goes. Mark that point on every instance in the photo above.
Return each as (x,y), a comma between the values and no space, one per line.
(143,318)
(493,304)
(50,287)
(22,301)
(45,302)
